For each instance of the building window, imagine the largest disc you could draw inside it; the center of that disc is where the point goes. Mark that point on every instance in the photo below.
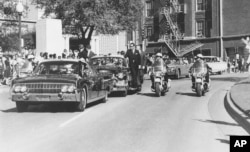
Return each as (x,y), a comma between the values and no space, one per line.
(201,5)
(200,29)
(149,31)
(149,8)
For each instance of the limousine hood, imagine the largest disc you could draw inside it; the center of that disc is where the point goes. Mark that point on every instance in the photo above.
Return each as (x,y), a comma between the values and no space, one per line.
(48,78)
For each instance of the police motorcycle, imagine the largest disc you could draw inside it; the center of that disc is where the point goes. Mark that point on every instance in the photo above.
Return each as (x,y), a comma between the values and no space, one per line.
(159,85)
(201,86)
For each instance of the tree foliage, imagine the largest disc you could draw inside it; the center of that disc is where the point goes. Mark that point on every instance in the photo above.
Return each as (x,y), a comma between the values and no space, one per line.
(9,41)
(81,17)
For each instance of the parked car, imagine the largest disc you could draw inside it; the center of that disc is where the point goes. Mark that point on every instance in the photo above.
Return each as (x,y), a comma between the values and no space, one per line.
(178,68)
(217,65)
(113,67)
(67,80)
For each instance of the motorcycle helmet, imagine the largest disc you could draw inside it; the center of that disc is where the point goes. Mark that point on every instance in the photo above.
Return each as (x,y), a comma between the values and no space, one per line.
(31,56)
(200,56)
(158,55)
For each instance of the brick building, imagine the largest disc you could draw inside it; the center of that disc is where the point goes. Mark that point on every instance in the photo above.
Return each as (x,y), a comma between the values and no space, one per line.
(188,27)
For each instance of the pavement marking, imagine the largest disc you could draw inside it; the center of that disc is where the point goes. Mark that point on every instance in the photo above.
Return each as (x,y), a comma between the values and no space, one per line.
(73,119)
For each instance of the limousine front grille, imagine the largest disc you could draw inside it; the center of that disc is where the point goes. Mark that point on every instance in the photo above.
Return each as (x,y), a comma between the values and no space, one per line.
(44,87)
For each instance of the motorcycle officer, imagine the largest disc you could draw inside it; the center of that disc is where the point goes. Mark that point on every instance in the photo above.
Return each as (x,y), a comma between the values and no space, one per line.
(158,58)
(199,61)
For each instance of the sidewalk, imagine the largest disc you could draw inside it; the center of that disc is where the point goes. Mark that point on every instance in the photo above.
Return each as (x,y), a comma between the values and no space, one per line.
(239,103)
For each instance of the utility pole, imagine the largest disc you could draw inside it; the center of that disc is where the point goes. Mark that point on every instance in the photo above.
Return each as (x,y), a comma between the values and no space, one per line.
(221,30)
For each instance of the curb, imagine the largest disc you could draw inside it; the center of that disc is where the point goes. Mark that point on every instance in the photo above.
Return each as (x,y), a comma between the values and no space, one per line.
(236,113)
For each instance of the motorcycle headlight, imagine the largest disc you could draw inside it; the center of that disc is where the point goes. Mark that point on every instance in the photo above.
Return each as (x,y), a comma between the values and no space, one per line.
(64,88)
(23,89)
(120,75)
(17,89)
(71,89)
(158,74)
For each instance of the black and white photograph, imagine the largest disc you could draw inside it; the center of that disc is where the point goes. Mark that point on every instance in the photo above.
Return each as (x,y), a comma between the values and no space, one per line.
(124,75)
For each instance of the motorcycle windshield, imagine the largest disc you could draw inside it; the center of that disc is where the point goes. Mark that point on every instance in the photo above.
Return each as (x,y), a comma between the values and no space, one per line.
(158,66)
(199,67)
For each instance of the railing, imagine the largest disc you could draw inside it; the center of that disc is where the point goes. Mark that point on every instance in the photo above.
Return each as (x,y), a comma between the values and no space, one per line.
(174,28)
(171,45)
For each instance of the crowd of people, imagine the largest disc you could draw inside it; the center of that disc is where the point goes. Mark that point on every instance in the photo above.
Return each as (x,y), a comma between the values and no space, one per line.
(237,65)
(135,60)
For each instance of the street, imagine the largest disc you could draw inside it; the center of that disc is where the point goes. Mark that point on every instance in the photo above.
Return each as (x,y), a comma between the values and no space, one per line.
(179,121)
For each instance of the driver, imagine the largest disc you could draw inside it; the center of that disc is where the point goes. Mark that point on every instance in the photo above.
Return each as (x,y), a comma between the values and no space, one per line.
(158,59)
(199,61)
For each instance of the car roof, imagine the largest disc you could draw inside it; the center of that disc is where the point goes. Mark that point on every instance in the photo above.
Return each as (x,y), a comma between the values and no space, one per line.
(60,60)
(107,56)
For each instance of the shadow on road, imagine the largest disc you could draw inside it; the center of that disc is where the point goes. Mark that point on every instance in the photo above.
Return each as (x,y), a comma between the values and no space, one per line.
(52,108)
(231,79)
(192,94)
(224,141)
(147,94)
(219,122)
(9,110)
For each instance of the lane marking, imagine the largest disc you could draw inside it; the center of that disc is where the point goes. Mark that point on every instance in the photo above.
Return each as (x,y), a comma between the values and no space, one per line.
(73,119)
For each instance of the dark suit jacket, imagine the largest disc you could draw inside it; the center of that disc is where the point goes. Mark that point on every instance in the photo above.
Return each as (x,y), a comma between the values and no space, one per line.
(84,54)
(134,58)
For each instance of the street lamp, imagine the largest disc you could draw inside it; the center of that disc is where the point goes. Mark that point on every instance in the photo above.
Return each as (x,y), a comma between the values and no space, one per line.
(19,9)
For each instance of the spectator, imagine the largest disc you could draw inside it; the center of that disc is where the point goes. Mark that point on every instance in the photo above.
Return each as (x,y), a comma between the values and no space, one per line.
(82,53)
(123,53)
(239,61)
(64,54)
(7,71)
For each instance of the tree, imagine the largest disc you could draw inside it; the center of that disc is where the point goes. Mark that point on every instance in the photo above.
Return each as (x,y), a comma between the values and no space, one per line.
(9,40)
(82,17)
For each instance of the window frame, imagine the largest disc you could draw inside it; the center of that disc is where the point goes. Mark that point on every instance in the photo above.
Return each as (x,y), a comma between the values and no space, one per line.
(202,4)
(149,31)
(149,9)
(203,29)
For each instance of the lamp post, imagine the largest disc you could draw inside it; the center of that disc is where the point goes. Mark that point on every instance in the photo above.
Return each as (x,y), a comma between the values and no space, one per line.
(19,9)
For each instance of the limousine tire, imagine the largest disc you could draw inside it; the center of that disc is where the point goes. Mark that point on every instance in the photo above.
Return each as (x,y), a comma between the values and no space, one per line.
(83,101)
(21,106)
(124,93)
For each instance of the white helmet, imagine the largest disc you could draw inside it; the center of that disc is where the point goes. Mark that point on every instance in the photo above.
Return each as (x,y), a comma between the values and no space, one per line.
(158,54)
(31,56)
(200,56)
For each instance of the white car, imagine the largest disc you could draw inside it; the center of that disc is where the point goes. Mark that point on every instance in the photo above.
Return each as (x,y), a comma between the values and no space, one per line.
(217,65)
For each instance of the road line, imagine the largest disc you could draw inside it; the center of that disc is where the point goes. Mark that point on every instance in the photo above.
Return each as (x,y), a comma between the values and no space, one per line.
(73,119)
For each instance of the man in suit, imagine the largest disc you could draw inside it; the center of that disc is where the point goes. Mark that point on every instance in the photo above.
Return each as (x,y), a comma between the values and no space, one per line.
(134,60)
(85,53)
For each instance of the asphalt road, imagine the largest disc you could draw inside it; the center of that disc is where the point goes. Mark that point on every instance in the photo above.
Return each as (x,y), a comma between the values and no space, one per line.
(179,121)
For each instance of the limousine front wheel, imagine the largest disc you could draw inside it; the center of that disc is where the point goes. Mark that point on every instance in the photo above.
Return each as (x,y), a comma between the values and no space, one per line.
(83,101)
(21,106)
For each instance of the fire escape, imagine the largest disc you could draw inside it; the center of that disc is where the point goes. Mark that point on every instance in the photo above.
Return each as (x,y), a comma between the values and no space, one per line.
(171,33)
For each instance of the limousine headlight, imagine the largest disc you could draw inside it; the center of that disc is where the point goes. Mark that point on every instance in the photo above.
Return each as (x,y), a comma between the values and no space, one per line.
(64,88)
(71,89)
(20,89)
(17,89)
(68,88)
(23,89)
